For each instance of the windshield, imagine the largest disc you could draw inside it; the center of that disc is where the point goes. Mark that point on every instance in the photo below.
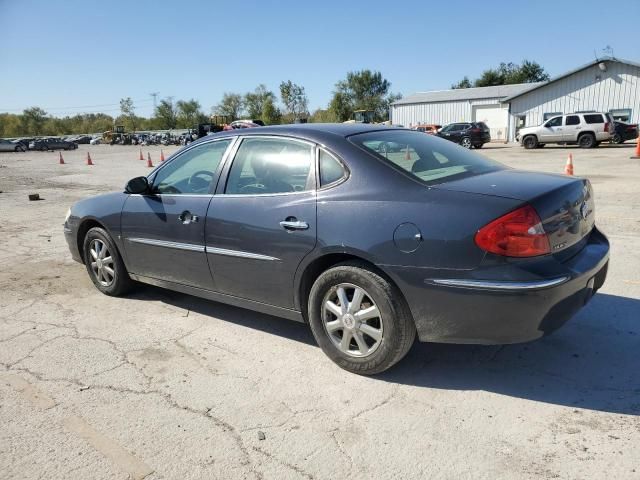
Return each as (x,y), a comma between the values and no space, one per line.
(428,159)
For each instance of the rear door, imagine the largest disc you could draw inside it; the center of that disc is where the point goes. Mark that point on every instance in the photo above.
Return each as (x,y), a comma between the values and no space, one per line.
(552,131)
(262,222)
(164,231)
(572,127)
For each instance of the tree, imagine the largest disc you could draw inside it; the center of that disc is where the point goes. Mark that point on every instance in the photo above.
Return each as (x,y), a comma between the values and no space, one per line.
(165,114)
(189,113)
(362,90)
(294,99)
(33,120)
(255,101)
(507,74)
(231,105)
(464,83)
(323,116)
(271,115)
(128,111)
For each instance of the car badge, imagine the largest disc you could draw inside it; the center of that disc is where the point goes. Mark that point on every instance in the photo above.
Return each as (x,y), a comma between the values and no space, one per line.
(584,210)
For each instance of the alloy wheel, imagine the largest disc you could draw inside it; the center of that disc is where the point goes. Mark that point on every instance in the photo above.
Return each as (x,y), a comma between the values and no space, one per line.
(466,142)
(352,320)
(102,263)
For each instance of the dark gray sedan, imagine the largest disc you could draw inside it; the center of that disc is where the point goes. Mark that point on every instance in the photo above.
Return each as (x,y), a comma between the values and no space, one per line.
(9,146)
(370,245)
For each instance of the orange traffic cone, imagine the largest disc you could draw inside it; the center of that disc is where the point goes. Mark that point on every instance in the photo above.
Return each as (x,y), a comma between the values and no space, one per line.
(141,157)
(89,162)
(161,155)
(61,161)
(149,163)
(407,155)
(568,168)
(637,155)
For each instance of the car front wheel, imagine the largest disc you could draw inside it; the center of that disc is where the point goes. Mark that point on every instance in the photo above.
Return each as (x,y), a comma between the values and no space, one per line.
(530,142)
(359,319)
(104,264)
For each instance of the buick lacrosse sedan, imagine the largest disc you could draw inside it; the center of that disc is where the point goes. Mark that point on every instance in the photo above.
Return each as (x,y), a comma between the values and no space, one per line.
(371,245)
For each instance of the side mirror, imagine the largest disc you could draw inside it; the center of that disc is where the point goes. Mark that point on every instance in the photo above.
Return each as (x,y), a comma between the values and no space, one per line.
(137,185)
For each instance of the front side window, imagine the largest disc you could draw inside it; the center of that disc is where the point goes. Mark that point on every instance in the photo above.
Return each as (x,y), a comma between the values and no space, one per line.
(269,166)
(572,120)
(548,115)
(193,172)
(424,157)
(554,122)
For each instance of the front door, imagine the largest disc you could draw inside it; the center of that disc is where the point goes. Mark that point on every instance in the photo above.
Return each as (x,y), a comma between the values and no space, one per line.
(262,223)
(164,230)
(552,131)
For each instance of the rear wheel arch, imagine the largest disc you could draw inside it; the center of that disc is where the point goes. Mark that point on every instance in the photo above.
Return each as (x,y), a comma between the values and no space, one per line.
(323,263)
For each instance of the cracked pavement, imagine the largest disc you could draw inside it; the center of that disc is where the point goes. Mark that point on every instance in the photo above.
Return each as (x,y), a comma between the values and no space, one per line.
(160,385)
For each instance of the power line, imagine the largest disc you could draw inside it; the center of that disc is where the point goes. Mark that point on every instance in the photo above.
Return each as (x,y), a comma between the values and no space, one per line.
(143,100)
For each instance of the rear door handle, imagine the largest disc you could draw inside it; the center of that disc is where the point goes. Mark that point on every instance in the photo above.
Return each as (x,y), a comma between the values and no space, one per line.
(292,224)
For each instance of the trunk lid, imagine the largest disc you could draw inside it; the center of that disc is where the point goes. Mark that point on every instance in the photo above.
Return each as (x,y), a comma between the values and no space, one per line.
(564,204)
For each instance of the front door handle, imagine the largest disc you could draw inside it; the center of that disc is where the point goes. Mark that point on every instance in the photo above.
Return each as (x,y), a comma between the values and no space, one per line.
(187,217)
(294,224)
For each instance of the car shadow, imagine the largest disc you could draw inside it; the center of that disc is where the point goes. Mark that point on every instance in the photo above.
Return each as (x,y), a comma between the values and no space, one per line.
(592,362)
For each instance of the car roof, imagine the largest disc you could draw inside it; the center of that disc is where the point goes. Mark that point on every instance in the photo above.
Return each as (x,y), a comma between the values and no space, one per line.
(317,132)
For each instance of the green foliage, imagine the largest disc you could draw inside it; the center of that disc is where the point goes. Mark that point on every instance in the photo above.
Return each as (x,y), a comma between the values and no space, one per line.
(33,120)
(165,114)
(254,101)
(232,104)
(323,116)
(294,99)
(128,111)
(362,90)
(507,74)
(189,113)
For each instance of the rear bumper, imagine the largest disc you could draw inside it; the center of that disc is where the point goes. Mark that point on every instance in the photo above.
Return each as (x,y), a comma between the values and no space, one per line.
(511,304)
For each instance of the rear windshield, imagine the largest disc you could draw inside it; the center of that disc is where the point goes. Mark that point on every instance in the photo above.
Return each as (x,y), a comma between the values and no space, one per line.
(426,158)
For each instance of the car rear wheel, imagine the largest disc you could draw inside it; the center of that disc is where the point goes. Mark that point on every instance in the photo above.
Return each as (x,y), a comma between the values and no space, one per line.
(466,142)
(616,138)
(359,319)
(104,264)
(19,149)
(587,140)
(530,142)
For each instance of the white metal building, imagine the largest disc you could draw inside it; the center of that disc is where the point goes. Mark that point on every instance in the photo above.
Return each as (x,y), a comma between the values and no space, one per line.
(604,85)
(480,104)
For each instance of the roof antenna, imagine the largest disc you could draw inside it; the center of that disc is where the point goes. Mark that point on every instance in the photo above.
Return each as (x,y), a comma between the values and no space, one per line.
(608,50)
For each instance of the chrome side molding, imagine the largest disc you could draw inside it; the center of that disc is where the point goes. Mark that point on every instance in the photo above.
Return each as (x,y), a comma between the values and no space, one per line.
(239,253)
(498,284)
(162,243)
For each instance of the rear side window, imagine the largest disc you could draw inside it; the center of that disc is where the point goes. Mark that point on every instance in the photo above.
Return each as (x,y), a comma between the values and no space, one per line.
(424,157)
(594,118)
(572,120)
(331,170)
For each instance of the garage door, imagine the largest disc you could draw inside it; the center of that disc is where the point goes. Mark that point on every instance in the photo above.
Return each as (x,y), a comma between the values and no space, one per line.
(495,116)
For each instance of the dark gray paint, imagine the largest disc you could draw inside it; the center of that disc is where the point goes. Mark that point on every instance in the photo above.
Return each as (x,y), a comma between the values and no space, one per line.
(358,217)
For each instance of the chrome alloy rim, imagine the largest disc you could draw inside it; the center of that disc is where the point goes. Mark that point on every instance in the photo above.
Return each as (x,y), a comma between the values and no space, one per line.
(352,320)
(466,142)
(102,263)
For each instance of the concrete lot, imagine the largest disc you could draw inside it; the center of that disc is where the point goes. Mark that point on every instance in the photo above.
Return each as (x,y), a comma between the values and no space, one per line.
(162,385)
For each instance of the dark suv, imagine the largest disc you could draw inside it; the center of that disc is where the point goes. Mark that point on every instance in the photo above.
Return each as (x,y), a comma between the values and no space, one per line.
(468,134)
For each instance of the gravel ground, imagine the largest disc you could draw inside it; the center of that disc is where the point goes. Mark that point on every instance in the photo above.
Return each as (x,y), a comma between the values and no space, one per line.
(163,385)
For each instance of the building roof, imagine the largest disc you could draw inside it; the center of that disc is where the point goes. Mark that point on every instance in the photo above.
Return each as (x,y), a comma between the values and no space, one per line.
(569,73)
(458,94)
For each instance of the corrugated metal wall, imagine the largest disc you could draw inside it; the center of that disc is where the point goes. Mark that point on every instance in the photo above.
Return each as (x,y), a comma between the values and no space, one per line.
(440,113)
(589,89)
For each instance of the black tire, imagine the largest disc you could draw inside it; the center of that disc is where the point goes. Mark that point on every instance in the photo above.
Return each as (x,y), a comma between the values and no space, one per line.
(541,145)
(530,142)
(395,320)
(478,145)
(587,140)
(617,139)
(19,149)
(121,282)
(466,142)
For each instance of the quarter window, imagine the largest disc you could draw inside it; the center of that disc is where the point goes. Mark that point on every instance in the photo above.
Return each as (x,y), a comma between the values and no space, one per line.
(270,165)
(572,120)
(193,171)
(331,170)
(594,118)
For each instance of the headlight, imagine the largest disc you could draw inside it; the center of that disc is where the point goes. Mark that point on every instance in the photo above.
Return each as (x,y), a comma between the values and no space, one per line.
(66,217)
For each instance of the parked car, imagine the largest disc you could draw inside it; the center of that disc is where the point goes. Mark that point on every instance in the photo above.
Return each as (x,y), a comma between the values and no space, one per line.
(310,222)
(81,140)
(584,129)
(11,146)
(467,134)
(25,141)
(44,144)
(429,128)
(246,124)
(623,131)
(95,140)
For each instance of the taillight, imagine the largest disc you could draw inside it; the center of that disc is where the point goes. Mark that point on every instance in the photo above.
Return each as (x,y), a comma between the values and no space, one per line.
(516,234)
(606,127)
(475,130)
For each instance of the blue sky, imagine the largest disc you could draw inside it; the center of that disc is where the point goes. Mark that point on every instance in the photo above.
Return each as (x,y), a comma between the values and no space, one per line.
(90,54)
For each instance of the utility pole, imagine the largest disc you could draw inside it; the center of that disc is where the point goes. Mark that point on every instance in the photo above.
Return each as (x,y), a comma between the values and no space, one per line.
(155,100)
